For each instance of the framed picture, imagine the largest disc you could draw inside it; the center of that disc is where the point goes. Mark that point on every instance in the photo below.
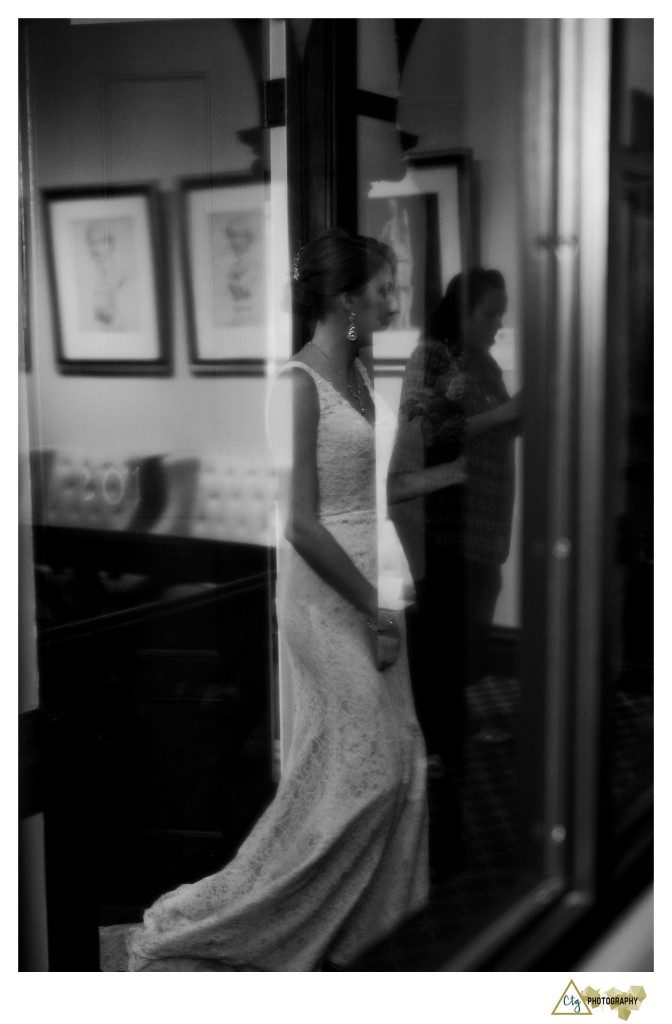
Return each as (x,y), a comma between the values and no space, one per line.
(224,230)
(107,282)
(427,219)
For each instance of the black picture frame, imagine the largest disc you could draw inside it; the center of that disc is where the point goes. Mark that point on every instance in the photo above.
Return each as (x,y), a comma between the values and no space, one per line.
(107,273)
(429,220)
(223,227)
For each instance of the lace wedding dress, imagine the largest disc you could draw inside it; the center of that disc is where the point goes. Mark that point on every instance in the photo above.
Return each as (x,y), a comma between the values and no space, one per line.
(339,858)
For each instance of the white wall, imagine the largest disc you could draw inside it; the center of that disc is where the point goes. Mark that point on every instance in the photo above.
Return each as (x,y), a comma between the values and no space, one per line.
(158,101)
(141,102)
(492,128)
(462,89)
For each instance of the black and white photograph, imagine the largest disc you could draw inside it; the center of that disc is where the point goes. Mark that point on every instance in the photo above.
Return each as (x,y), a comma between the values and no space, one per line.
(336,511)
(427,220)
(225,238)
(405,224)
(105,278)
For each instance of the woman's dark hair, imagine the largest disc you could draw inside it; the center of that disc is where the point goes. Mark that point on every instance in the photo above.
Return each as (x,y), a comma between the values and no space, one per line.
(333,263)
(464,292)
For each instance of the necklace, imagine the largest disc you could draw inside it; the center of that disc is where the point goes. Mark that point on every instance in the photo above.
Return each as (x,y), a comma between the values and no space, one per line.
(355,391)
(358,393)
(323,354)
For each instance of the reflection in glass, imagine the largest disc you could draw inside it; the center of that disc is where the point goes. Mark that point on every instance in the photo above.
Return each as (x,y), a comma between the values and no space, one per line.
(455,415)
(452,168)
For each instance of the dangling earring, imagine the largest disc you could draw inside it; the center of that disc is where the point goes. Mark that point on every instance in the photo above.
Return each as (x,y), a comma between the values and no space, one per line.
(352,330)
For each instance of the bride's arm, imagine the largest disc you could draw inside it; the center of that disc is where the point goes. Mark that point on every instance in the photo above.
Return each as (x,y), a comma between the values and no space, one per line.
(303,529)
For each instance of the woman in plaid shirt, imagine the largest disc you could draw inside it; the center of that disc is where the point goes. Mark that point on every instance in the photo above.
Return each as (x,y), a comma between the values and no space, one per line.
(454,408)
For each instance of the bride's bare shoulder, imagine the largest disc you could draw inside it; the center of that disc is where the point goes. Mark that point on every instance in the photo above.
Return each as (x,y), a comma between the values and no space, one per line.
(296,385)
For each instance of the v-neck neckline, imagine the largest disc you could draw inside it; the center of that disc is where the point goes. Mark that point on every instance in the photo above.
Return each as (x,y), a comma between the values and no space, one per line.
(363,374)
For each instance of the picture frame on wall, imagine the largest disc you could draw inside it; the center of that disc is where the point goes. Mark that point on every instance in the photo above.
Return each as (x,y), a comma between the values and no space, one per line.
(428,220)
(106,266)
(224,240)
(408,224)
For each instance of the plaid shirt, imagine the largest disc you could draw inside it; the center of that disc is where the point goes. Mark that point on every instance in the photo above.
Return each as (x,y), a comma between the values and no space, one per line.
(439,392)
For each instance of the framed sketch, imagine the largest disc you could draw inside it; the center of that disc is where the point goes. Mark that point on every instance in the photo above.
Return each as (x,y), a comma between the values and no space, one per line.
(427,219)
(107,284)
(224,230)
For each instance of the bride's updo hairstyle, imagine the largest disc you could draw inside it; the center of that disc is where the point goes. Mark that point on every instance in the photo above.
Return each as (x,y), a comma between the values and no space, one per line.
(333,263)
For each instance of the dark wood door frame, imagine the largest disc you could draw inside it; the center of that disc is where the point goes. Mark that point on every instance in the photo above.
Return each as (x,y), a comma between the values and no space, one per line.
(322,134)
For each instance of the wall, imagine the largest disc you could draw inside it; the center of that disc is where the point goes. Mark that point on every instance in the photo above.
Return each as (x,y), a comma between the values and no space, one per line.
(141,102)
(492,123)
(637,65)
(158,101)
(462,89)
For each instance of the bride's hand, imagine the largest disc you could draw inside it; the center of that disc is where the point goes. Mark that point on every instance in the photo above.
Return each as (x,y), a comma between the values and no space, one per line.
(386,638)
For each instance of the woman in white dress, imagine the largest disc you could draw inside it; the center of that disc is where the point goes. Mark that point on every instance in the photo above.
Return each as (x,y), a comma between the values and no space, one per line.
(339,858)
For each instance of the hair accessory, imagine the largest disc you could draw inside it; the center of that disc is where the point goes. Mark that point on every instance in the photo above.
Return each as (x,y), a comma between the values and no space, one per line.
(352,330)
(297,273)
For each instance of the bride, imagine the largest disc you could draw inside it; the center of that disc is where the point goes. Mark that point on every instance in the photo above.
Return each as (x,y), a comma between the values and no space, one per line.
(339,858)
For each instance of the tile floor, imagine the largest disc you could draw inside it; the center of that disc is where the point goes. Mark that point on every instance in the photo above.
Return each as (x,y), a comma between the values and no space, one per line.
(488,878)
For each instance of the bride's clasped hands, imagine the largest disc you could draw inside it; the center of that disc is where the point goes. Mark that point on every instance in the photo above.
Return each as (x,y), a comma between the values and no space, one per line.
(385,637)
